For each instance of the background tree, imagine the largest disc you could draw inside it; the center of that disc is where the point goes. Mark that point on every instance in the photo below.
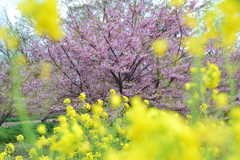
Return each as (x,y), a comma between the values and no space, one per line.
(108,45)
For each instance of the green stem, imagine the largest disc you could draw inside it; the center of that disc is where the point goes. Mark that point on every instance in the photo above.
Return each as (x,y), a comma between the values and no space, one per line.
(194,111)
(18,99)
(230,79)
(25,147)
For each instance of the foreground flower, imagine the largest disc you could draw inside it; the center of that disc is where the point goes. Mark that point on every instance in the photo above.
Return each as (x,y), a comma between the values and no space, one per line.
(44,16)
(42,129)
(115,100)
(160,47)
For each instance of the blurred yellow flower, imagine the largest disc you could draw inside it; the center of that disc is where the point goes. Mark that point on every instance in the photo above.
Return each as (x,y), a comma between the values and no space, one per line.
(33,153)
(191,21)
(46,71)
(44,16)
(177,3)
(104,115)
(19,158)
(115,100)
(9,39)
(211,77)
(221,99)
(188,86)
(193,69)
(97,109)
(203,107)
(195,45)
(42,129)
(160,47)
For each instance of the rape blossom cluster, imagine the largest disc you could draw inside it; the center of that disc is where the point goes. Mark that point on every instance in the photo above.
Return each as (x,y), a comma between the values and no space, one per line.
(142,133)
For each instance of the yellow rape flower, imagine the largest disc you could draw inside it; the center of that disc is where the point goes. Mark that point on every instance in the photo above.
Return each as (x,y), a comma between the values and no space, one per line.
(41,142)
(146,102)
(82,97)
(112,91)
(19,158)
(221,99)
(44,16)
(160,47)
(195,45)
(67,101)
(62,119)
(230,21)
(211,77)
(203,107)
(3,155)
(20,138)
(86,147)
(191,21)
(189,119)
(98,154)
(177,3)
(33,153)
(87,106)
(9,148)
(115,100)
(10,40)
(104,115)
(42,129)
(125,98)
(44,158)
(216,151)
(100,102)
(188,86)
(203,69)
(193,69)
(97,109)
(126,105)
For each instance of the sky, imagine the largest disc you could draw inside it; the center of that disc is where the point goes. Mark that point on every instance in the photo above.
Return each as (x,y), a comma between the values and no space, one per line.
(11,8)
(12,5)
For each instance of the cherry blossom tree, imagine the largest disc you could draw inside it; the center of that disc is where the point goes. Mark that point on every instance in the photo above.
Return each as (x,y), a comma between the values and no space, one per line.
(108,45)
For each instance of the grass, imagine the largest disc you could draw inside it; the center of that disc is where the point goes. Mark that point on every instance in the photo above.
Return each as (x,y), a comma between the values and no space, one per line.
(17,119)
(9,134)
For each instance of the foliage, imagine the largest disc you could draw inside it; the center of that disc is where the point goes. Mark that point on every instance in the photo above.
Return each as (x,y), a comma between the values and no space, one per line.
(9,134)
(17,119)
